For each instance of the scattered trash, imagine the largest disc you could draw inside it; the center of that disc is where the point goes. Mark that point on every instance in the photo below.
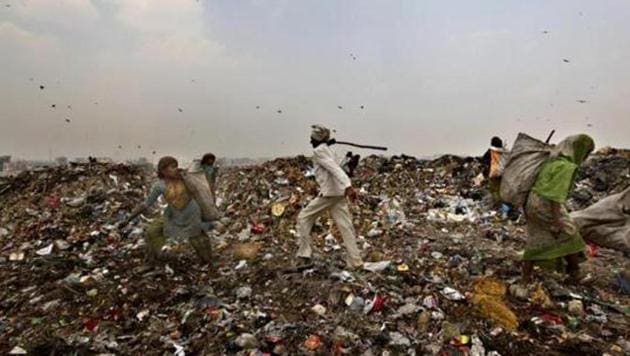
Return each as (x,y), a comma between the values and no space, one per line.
(247,341)
(277,209)
(591,249)
(488,297)
(426,219)
(17,351)
(241,264)
(45,251)
(244,292)
(622,282)
(143,314)
(576,307)
(375,305)
(398,339)
(319,309)
(519,292)
(422,323)
(258,229)
(313,342)
(452,294)
(449,330)
(430,302)
(376,266)
(355,303)
(16,256)
(540,297)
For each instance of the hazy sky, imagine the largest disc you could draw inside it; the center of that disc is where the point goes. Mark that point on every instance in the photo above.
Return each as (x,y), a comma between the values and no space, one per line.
(433,76)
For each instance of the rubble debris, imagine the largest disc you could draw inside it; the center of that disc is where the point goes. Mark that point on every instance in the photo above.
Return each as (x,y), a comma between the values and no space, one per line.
(426,218)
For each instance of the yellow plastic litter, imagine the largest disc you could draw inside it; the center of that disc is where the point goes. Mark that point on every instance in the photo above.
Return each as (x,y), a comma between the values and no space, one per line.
(540,297)
(402,267)
(490,286)
(277,209)
(488,298)
(463,339)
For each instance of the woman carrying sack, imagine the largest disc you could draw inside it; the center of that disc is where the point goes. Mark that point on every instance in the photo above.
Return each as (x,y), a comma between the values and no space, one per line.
(182,218)
(553,237)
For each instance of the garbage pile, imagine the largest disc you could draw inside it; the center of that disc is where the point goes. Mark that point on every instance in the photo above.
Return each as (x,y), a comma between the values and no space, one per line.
(440,276)
(601,175)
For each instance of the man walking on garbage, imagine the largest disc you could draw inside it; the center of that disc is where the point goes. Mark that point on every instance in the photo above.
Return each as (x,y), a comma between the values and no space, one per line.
(182,218)
(335,188)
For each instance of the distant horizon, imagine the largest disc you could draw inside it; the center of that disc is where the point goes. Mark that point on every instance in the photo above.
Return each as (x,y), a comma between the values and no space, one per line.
(189,160)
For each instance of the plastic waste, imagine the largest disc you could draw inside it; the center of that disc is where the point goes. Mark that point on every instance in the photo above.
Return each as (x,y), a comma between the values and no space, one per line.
(319,309)
(376,266)
(244,292)
(403,267)
(398,339)
(277,209)
(313,342)
(576,307)
(45,251)
(17,351)
(247,341)
(488,297)
(452,294)
(375,305)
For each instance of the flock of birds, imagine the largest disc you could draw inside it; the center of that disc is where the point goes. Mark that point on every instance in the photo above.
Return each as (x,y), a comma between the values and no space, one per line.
(279,110)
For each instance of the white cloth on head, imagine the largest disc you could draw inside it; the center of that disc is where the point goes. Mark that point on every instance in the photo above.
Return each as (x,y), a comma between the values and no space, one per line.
(331,178)
(320,133)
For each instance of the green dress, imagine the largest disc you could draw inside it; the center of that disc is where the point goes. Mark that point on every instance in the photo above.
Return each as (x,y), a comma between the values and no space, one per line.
(553,184)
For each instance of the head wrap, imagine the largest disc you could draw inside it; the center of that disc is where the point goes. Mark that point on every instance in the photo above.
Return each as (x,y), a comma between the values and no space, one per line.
(496,142)
(576,148)
(320,133)
(557,175)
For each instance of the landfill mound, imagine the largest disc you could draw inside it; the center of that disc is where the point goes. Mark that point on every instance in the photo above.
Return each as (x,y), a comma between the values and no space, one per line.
(441,275)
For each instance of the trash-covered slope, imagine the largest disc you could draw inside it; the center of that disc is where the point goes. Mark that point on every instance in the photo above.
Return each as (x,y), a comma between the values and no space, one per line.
(441,274)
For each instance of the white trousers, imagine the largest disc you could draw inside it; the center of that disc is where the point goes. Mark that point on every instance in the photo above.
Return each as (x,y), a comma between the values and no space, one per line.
(340,212)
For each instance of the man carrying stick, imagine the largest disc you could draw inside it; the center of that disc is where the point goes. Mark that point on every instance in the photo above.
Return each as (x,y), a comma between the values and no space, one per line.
(335,191)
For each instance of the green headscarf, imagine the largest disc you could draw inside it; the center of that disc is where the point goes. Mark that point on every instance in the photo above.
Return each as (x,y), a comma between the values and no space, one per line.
(576,148)
(556,176)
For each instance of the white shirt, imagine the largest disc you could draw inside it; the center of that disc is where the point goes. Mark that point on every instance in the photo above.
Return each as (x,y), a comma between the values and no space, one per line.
(332,180)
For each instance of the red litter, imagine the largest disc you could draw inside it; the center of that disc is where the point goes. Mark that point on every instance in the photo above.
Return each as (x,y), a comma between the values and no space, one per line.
(53,201)
(552,318)
(258,229)
(90,324)
(591,249)
(273,339)
(375,305)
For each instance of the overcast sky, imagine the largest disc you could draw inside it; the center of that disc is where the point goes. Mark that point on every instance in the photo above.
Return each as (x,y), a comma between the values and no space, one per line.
(183,77)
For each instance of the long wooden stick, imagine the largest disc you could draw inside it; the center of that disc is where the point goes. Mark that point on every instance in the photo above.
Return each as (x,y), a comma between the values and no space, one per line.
(380,148)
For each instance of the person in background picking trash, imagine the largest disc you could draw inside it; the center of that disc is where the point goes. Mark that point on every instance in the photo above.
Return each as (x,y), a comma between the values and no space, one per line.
(335,188)
(350,163)
(181,218)
(493,161)
(553,237)
(211,171)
